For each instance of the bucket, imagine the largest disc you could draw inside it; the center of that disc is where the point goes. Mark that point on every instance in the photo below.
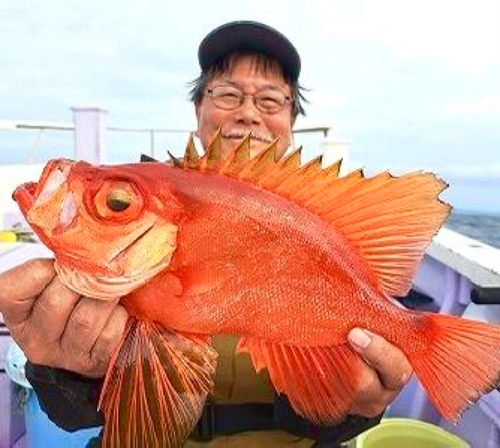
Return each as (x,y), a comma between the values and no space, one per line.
(40,431)
(405,432)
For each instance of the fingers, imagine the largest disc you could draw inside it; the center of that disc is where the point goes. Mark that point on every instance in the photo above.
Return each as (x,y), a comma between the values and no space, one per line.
(389,362)
(92,332)
(20,286)
(108,341)
(81,337)
(85,324)
(54,325)
(51,311)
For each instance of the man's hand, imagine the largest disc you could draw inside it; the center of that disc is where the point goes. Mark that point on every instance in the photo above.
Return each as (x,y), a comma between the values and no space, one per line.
(54,325)
(386,370)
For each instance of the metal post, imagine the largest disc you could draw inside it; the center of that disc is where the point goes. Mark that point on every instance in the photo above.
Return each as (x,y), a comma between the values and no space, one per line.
(90,132)
(152,143)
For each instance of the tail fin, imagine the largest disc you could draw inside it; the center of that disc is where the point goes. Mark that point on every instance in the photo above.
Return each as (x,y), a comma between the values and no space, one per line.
(461,363)
(155,387)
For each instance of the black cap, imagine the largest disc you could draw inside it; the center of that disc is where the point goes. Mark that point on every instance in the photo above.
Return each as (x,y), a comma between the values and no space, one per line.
(248,35)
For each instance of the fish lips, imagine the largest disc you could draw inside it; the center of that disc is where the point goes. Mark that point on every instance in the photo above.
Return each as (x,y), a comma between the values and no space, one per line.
(25,195)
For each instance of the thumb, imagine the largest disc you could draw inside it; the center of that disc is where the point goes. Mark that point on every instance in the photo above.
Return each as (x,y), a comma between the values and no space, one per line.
(389,361)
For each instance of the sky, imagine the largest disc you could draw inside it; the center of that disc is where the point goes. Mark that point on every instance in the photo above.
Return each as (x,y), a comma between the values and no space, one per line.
(410,85)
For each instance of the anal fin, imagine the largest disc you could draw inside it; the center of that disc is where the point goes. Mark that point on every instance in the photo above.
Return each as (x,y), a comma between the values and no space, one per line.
(320,382)
(155,387)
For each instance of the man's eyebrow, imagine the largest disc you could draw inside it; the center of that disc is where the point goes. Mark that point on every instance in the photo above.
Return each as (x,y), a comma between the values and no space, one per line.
(265,86)
(232,83)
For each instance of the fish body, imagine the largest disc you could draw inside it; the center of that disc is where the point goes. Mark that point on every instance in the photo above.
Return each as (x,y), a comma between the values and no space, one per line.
(245,251)
(289,257)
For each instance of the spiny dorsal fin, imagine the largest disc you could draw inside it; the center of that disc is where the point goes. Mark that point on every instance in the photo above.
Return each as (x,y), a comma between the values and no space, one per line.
(311,190)
(300,178)
(191,157)
(284,168)
(237,158)
(333,170)
(260,164)
(212,159)
(390,220)
(175,160)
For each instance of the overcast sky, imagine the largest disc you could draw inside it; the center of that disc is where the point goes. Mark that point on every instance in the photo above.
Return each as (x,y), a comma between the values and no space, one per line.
(410,84)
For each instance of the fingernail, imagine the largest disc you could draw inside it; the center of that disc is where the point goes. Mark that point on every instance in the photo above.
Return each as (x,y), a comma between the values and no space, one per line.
(359,338)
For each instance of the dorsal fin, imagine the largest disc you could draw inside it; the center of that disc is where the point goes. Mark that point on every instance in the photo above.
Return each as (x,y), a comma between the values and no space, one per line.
(174,160)
(212,159)
(390,220)
(237,158)
(300,177)
(284,168)
(260,164)
(191,157)
(321,179)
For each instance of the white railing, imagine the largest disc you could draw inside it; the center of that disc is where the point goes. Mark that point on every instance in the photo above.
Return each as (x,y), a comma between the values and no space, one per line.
(41,127)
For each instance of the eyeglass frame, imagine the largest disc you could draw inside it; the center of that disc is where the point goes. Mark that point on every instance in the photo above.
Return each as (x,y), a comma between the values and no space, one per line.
(288,99)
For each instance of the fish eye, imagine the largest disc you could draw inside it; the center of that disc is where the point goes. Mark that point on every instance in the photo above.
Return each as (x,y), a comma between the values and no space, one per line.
(118,200)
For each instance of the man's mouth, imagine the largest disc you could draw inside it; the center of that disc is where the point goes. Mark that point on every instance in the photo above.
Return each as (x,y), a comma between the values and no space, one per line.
(239,134)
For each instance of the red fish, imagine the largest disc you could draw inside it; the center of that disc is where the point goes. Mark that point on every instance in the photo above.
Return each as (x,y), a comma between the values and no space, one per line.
(289,257)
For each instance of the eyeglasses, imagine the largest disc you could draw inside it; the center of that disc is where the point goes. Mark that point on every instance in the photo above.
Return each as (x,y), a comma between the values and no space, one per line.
(267,101)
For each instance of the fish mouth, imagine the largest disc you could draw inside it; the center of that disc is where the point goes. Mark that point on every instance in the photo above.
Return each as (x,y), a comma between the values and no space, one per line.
(53,176)
(24,195)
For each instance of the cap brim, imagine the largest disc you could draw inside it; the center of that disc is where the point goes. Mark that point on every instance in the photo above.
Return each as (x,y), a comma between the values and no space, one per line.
(252,36)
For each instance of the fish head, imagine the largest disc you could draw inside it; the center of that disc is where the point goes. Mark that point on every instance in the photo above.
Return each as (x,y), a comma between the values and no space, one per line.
(110,228)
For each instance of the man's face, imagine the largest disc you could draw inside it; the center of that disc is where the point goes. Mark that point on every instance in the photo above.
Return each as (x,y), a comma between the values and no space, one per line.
(235,124)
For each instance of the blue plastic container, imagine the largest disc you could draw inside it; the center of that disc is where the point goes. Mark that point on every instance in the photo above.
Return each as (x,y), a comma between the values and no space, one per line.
(40,431)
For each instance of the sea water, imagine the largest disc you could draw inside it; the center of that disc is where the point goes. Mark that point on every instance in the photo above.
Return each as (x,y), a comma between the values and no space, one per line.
(482,227)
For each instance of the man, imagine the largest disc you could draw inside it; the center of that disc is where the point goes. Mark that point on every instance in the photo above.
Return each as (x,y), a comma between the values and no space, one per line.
(249,83)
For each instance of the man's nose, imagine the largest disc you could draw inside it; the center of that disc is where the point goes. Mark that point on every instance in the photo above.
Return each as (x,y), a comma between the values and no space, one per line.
(248,112)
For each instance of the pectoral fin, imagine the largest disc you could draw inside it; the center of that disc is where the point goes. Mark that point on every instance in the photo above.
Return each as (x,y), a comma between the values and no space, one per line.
(155,387)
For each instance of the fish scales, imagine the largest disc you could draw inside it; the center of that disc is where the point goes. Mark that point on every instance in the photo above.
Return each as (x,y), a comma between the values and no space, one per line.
(254,228)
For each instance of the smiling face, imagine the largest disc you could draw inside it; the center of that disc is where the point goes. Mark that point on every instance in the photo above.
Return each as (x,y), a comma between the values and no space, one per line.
(246,75)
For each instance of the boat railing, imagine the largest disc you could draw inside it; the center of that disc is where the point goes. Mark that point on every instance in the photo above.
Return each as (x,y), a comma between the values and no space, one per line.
(41,128)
